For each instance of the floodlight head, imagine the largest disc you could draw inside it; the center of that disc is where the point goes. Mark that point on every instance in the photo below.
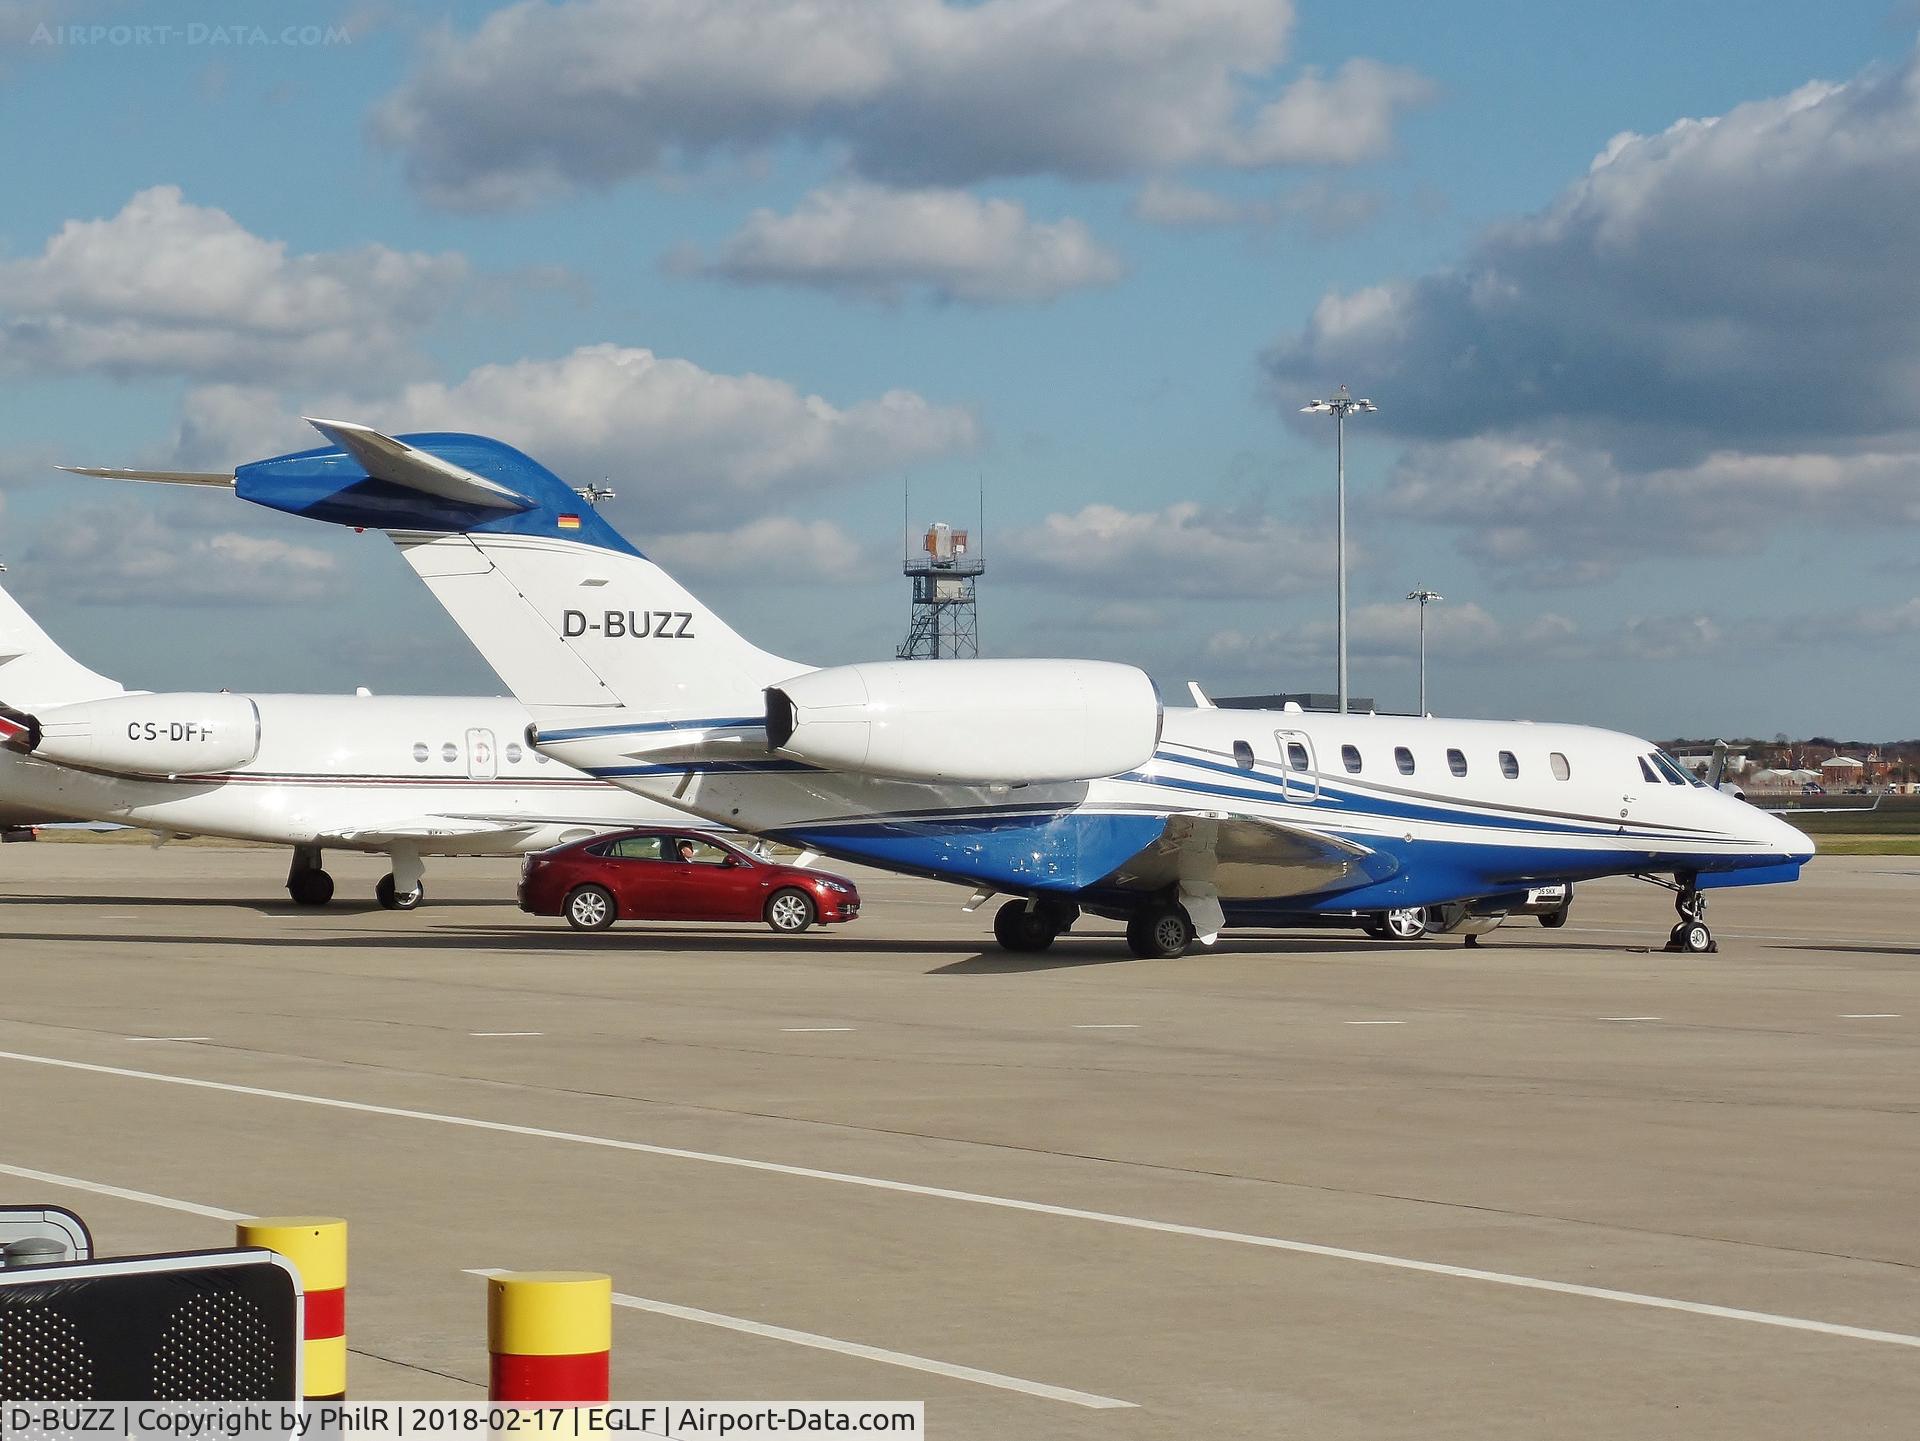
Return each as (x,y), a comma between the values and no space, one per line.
(1317,407)
(1423,596)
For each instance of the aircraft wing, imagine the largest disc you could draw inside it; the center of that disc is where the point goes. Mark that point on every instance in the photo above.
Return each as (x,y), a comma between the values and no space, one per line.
(1252,858)
(432,828)
(1209,855)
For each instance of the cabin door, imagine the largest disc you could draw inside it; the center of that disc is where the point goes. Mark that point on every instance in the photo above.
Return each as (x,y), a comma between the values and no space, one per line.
(1300,774)
(483,762)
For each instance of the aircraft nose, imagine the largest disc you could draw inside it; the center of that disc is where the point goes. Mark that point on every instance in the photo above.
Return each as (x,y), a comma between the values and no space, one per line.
(1791,841)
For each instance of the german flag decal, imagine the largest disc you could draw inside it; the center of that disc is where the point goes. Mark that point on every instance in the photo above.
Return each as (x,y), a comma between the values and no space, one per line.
(569,522)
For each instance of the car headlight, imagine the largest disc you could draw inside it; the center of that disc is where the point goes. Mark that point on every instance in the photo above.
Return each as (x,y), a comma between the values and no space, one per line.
(836,888)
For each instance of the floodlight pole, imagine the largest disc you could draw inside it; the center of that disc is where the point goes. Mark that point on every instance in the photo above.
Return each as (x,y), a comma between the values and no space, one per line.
(1424,596)
(1340,406)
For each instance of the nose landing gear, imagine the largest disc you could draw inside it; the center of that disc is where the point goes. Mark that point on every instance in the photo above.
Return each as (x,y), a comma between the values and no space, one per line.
(1690,935)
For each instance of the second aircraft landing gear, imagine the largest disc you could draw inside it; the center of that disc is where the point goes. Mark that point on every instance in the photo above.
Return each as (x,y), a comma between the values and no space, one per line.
(402,888)
(390,897)
(306,882)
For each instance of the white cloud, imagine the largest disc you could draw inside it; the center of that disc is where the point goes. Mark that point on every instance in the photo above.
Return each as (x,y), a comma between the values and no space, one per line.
(879,244)
(166,286)
(1319,207)
(1705,340)
(685,447)
(131,556)
(1744,281)
(771,548)
(1184,550)
(1554,513)
(1385,633)
(916,91)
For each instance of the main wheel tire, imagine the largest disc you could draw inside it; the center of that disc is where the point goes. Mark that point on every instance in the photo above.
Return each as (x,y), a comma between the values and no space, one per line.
(310,888)
(1693,937)
(1019,929)
(1159,933)
(1553,920)
(390,898)
(1407,923)
(590,908)
(790,911)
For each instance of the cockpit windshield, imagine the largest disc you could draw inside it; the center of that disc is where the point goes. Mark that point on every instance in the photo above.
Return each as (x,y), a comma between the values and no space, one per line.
(1676,773)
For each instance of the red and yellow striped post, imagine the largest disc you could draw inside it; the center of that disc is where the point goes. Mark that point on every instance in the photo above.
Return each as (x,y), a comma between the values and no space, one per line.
(548,1335)
(317,1246)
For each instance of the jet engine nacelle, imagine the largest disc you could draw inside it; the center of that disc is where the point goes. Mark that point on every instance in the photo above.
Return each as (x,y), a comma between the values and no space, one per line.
(151,735)
(1012,721)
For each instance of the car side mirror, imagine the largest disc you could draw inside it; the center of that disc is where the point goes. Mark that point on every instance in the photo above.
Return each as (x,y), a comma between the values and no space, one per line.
(729,860)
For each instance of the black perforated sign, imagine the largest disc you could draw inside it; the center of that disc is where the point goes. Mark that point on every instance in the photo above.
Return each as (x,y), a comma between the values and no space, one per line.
(207,1326)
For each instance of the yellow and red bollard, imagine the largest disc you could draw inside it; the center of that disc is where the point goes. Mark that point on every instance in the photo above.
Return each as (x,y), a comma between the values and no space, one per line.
(317,1246)
(549,1335)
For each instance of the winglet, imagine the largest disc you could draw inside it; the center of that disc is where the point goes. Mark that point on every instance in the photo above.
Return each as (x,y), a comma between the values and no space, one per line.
(398,463)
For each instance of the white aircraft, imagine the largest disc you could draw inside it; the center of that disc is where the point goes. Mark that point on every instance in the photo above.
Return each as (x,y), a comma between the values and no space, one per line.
(1065,784)
(410,776)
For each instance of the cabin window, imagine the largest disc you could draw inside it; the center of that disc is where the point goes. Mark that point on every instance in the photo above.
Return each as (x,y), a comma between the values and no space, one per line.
(514,753)
(1647,770)
(1456,762)
(420,751)
(1561,770)
(1403,758)
(1350,758)
(1509,765)
(449,752)
(1243,755)
(1297,756)
(542,757)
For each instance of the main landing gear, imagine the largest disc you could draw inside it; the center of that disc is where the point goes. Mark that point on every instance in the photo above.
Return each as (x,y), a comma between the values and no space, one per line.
(1028,927)
(1159,931)
(306,882)
(399,890)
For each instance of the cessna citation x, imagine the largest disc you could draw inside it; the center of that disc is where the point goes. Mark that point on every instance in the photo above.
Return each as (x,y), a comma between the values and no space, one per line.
(1064,784)
(410,776)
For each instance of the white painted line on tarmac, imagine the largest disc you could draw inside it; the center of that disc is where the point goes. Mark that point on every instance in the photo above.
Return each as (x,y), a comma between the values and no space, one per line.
(812,1030)
(1373,1023)
(145,1198)
(169,1038)
(1872,1016)
(1632,1018)
(1004,1203)
(864,1352)
(1108,1026)
(479,1034)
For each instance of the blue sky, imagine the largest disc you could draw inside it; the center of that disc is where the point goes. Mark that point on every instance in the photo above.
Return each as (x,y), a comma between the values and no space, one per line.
(763,270)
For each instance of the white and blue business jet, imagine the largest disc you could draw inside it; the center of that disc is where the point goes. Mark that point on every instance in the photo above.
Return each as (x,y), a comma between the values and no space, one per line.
(1063,784)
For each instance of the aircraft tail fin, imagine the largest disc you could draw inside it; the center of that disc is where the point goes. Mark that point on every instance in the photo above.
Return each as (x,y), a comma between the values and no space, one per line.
(568,613)
(34,672)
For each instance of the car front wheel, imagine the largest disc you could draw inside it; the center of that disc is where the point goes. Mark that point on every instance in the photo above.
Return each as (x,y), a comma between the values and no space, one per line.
(789,911)
(590,908)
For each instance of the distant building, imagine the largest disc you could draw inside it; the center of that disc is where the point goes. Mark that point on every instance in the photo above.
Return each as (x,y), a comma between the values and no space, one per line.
(1839,772)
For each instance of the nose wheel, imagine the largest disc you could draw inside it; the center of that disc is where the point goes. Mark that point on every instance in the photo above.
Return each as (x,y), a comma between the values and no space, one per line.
(1690,935)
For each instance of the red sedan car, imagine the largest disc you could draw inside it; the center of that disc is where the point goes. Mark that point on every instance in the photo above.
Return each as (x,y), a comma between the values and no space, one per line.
(654,875)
